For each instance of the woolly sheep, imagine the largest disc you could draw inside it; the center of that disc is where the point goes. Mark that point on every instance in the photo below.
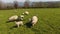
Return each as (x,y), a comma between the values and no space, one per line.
(12,18)
(33,20)
(26,12)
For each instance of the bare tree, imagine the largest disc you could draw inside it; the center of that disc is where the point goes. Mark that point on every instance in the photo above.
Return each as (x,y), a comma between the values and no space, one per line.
(0,4)
(26,4)
(15,4)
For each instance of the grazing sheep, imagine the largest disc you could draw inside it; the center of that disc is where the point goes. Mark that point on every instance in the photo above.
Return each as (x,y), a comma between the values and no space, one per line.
(26,12)
(33,20)
(18,23)
(13,18)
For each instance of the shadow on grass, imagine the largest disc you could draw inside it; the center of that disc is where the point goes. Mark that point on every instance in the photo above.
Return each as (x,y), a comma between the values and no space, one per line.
(9,21)
(28,24)
(13,27)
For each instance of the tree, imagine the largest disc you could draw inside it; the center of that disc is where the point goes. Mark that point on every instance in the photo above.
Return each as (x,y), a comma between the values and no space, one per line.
(0,4)
(26,4)
(15,4)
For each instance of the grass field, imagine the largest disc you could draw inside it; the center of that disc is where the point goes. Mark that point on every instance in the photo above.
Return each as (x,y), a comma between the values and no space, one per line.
(49,21)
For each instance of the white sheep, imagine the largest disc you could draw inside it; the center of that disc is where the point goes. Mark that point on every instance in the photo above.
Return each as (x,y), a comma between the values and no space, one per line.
(26,12)
(34,20)
(18,23)
(12,18)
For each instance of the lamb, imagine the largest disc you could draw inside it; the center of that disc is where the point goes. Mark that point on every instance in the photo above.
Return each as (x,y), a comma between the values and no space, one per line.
(34,20)
(18,23)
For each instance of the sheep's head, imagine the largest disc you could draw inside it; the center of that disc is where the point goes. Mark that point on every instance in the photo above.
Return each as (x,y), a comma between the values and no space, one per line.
(20,18)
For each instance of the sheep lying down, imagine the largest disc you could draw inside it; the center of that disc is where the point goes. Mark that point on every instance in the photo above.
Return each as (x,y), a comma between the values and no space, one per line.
(13,18)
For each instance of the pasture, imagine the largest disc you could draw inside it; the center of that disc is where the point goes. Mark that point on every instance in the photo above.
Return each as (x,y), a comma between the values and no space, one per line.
(48,23)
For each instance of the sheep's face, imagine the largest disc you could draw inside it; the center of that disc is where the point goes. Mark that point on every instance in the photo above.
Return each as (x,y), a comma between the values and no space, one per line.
(22,16)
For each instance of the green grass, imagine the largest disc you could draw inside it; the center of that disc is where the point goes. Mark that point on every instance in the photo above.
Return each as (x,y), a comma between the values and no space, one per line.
(48,23)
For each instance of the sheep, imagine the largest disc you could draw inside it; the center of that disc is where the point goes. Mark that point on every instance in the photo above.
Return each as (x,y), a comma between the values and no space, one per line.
(18,23)
(26,12)
(34,20)
(13,18)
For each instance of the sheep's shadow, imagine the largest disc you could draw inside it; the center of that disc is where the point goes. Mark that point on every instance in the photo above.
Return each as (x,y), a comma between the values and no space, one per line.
(9,21)
(28,24)
(12,21)
(13,27)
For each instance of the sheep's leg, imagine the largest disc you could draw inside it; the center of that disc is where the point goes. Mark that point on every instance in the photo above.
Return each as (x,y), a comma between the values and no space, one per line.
(18,25)
(32,24)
